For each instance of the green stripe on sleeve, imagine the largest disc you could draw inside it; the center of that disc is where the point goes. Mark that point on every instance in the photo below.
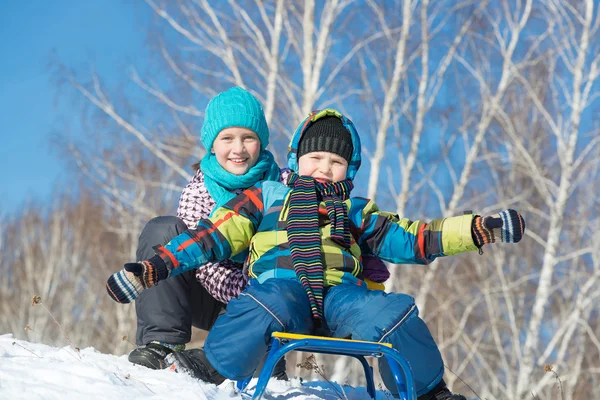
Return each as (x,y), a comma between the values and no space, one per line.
(456,235)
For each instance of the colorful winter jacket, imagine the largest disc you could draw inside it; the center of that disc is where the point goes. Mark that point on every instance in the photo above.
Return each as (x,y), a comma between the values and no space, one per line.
(224,280)
(257,220)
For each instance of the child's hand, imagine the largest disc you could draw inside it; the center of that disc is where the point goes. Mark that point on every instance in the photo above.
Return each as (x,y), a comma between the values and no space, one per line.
(126,285)
(507,226)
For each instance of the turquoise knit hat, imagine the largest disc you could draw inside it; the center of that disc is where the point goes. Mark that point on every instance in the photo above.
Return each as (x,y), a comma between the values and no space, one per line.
(234,107)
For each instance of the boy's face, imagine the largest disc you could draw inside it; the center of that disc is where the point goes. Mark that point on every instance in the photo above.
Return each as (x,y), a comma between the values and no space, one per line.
(323,166)
(237,149)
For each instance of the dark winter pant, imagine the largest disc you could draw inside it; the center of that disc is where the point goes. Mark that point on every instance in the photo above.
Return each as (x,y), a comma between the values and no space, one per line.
(241,336)
(167,311)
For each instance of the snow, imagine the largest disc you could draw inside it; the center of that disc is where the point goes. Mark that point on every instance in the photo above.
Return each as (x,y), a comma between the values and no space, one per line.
(37,371)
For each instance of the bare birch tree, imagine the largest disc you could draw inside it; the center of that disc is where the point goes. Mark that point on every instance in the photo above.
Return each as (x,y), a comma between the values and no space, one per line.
(523,312)
(61,258)
(490,101)
(574,90)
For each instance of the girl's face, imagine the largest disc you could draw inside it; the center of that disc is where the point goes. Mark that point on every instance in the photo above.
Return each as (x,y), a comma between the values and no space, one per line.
(325,167)
(237,149)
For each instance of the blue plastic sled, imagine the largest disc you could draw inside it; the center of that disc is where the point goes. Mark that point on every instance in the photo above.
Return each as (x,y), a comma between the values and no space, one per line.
(285,342)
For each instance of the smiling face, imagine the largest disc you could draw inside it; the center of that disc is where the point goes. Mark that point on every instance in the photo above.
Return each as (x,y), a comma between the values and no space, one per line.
(237,149)
(323,166)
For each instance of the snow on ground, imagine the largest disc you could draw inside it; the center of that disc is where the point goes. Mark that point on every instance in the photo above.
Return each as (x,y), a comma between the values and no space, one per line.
(37,371)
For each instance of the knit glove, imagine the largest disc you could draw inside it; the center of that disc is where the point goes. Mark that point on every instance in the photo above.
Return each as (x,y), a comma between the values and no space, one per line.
(507,226)
(127,284)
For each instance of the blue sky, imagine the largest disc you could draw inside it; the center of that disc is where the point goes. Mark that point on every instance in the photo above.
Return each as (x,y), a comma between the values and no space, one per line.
(105,34)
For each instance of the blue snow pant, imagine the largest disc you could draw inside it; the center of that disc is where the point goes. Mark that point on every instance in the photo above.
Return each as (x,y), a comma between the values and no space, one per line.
(242,335)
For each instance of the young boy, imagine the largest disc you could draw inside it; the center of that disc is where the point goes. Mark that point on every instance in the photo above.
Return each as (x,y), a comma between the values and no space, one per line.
(305,244)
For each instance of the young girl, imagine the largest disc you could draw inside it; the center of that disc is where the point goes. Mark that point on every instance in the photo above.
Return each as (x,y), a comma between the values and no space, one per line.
(236,135)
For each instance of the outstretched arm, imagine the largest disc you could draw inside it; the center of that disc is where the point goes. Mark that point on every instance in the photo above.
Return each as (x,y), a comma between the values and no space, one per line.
(220,237)
(404,241)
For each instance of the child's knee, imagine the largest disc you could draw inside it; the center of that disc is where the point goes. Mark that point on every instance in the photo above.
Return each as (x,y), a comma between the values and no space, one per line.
(168,223)
(366,314)
(159,230)
(286,301)
(250,320)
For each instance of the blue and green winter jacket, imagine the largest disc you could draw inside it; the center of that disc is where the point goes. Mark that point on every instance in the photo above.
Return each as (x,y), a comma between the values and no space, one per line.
(256,220)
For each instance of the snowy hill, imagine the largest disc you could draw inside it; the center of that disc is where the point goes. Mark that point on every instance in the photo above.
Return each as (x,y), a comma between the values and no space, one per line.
(36,371)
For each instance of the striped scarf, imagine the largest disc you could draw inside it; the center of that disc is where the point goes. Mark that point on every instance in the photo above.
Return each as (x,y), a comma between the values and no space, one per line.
(303,230)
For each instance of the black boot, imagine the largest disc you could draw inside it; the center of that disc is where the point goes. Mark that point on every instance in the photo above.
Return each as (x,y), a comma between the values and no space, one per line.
(279,372)
(441,392)
(195,363)
(151,356)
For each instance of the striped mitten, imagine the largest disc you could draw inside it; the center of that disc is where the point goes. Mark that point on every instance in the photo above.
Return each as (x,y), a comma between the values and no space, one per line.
(126,285)
(507,226)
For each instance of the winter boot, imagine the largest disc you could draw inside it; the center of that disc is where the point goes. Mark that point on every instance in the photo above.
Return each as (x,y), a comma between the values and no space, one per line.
(441,392)
(279,372)
(152,355)
(194,362)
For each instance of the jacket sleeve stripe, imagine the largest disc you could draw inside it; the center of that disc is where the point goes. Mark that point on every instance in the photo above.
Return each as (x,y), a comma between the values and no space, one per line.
(421,240)
(208,231)
(161,252)
(254,199)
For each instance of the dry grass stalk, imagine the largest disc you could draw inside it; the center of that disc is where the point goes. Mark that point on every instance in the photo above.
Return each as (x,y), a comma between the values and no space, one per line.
(31,351)
(37,300)
(549,368)
(310,363)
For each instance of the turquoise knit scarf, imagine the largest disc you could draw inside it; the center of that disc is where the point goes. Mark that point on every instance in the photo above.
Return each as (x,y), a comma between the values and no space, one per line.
(221,184)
